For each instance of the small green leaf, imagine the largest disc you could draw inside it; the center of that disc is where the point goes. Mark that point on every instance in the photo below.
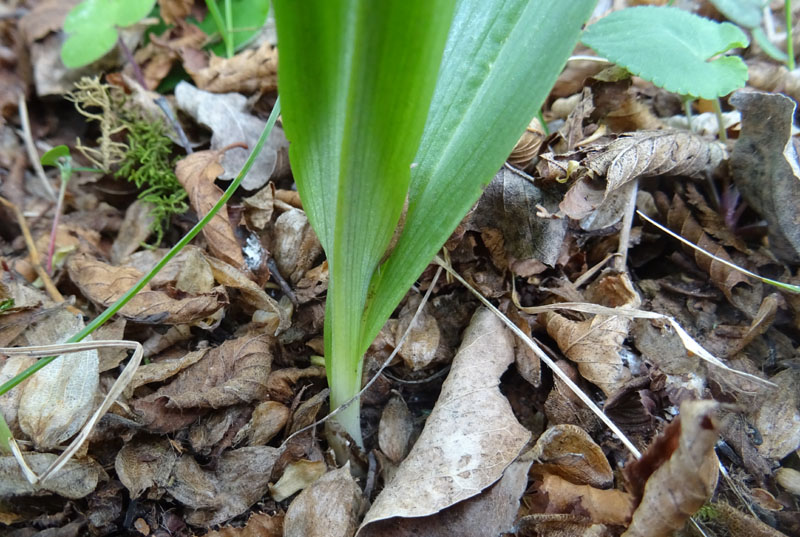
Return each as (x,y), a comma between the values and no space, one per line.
(83,48)
(747,13)
(89,15)
(130,12)
(248,18)
(672,48)
(51,157)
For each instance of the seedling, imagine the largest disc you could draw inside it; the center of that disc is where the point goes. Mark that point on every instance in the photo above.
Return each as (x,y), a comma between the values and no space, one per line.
(749,14)
(92,28)
(361,97)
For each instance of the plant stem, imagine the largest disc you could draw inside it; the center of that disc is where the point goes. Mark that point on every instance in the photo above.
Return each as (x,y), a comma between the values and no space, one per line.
(229,29)
(213,8)
(116,306)
(687,109)
(787,7)
(723,135)
(66,173)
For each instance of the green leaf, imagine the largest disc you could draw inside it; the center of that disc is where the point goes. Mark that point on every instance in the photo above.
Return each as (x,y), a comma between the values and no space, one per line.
(130,12)
(747,13)
(248,18)
(356,81)
(768,46)
(89,15)
(83,48)
(500,62)
(672,48)
(51,157)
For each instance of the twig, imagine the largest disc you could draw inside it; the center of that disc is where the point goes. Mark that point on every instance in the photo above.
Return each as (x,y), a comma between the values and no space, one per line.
(625,232)
(33,156)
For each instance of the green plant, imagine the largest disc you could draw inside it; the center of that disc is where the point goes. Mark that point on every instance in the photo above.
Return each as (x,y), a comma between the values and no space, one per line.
(361,98)
(241,21)
(92,28)
(749,14)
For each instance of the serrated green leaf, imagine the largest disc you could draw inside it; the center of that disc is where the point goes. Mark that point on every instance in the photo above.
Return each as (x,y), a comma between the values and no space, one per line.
(747,13)
(672,48)
(130,12)
(51,157)
(83,48)
(500,61)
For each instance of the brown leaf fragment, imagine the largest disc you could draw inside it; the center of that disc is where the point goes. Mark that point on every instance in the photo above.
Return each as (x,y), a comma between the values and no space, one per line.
(157,417)
(395,429)
(259,207)
(773,77)
(134,231)
(296,246)
(742,525)
(419,348)
(145,462)
(250,71)
(645,154)
(161,370)
(777,418)
(452,459)
(328,508)
(173,10)
(569,452)
(9,401)
(297,476)
(240,479)
(789,479)
(557,525)
(528,145)
(258,525)
(197,173)
(764,165)
(736,287)
(685,481)
(77,479)
(268,419)
(104,284)
(612,507)
(280,383)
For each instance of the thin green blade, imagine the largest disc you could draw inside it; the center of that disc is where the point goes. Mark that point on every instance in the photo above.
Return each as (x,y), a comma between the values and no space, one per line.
(500,61)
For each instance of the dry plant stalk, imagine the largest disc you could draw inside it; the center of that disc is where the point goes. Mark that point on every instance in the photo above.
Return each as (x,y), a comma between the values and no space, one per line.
(89,93)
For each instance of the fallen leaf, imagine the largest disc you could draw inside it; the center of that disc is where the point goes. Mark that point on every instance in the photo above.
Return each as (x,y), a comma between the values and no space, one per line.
(742,525)
(528,145)
(419,348)
(225,115)
(161,370)
(395,429)
(450,461)
(268,419)
(250,71)
(77,479)
(258,525)
(685,480)
(145,462)
(558,525)
(328,508)
(789,479)
(764,165)
(173,10)
(295,246)
(613,507)
(297,476)
(777,418)
(569,452)
(134,231)
(197,173)
(104,284)
(214,433)
(259,207)
(9,401)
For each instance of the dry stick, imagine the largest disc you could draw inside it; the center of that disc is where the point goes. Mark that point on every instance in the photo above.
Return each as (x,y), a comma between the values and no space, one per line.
(35,260)
(625,233)
(546,359)
(33,156)
(384,365)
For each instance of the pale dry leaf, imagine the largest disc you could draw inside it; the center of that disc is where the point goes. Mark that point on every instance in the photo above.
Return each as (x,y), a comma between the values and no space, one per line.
(259,207)
(528,144)
(196,276)
(268,419)
(161,370)
(136,227)
(742,525)
(297,476)
(328,508)
(296,246)
(144,462)
(395,429)
(258,525)
(789,479)
(686,479)
(451,461)
(613,507)
(250,71)
(111,357)
(57,401)
(419,348)
(225,115)
(77,479)
(569,452)
(777,418)
(558,525)
(197,173)
(173,10)
(213,433)
(104,284)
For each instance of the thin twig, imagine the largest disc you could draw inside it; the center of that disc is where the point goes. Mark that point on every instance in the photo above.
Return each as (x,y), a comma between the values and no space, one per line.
(625,232)
(33,156)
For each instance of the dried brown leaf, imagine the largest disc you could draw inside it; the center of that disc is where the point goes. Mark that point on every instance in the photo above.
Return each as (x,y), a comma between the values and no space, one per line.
(250,71)
(104,284)
(395,429)
(259,207)
(557,525)
(9,401)
(419,348)
(145,462)
(135,229)
(328,508)
(528,145)
(777,418)
(685,481)
(268,419)
(296,246)
(173,10)
(569,452)
(258,525)
(612,507)
(297,476)
(160,370)
(77,479)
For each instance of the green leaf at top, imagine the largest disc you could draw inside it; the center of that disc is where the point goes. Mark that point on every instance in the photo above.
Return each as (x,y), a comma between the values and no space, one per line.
(83,48)
(130,12)
(51,157)
(672,48)
(89,15)
(747,13)
(248,18)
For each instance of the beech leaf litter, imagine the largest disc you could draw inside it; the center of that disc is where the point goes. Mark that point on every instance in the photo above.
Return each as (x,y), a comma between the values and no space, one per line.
(686,418)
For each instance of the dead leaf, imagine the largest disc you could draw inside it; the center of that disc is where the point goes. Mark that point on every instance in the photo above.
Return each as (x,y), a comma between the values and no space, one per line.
(230,124)
(687,477)
(9,401)
(777,418)
(259,207)
(773,77)
(419,348)
(145,462)
(296,246)
(789,479)
(250,71)
(569,452)
(450,462)
(258,525)
(197,173)
(558,525)
(104,284)
(328,508)
(297,476)
(764,165)
(172,10)
(742,525)
(395,429)
(613,507)
(77,479)
(134,231)
(214,433)
(279,383)
(268,419)
(528,145)
(160,370)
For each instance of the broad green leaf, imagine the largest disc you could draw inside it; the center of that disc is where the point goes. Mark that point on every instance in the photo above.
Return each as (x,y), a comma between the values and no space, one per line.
(248,18)
(89,15)
(672,48)
(83,48)
(130,12)
(768,46)
(500,61)
(356,81)
(51,157)
(747,13)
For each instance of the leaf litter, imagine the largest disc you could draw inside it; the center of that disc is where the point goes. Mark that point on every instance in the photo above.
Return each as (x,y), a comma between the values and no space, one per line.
(671,344)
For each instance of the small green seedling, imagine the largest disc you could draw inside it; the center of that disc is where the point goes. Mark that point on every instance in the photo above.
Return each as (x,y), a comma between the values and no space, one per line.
(92,28)
(749,14)
(59,157)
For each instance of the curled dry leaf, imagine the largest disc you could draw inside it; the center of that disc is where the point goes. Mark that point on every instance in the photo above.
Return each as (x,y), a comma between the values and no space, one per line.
(268,419)
(395,429)
(642,154)
(777,418)
(57,401)
(296,246)
(595,344)
(613,507)
(328,508)
(789,479)
(764,165)
(77,479)
(419,348)
(558,525)
(197,173)
(258,525)
(250,71)
(569,452)
(104,284)
(736,287)
(528,145)
(9,401)
(297,476)
(676,489)
(451,461)
(145,462)
(161,370)
(134,231)
(259,207)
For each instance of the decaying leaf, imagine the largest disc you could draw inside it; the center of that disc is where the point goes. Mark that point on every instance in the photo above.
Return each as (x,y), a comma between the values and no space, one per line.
(528,145)
(145,462)
(160,370)
(613,507)
(558,525)
(742,525)
(297,476)
(197,173)
(230,124)
(451,461)
(595,344)
(77,479)
(685,472)
(764,165)
(259,207)
(268,419)
(395,429)
(57,401)
(296,246)
(777,418)
(258,525)
(250,71)
(104,284)
(328,508)
(419,348)
(642,154)
(135,229)
(569,452)
(9,401)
